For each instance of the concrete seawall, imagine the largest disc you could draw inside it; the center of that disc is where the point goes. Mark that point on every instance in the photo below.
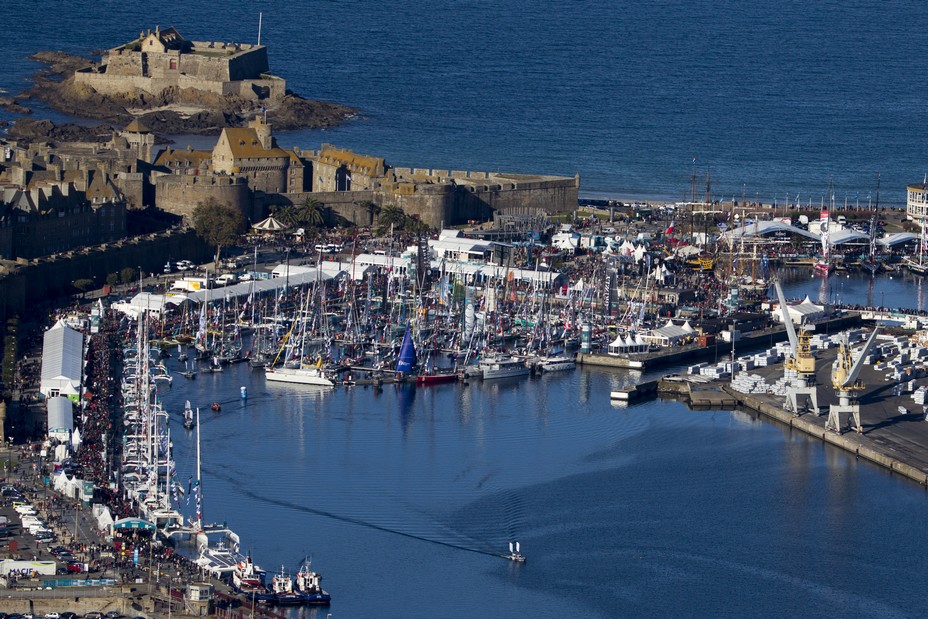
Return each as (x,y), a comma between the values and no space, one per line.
(815,426)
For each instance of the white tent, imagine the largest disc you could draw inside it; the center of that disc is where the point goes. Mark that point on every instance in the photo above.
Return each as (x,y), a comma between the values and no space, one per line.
(60,417)
(628,344)
(269,225)
(147,302)
(669,334)
(62,361)
(802,313)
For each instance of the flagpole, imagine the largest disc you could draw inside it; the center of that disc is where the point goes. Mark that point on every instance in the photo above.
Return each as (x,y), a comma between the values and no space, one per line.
(260,14)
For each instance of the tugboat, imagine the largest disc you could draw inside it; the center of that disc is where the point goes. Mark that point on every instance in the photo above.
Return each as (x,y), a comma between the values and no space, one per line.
(189,421)
(248,579)
(309,587)
(514,553)
(282,588)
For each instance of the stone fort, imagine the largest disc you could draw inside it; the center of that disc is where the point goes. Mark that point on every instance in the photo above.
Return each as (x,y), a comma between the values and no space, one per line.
(247,169)
(163,59)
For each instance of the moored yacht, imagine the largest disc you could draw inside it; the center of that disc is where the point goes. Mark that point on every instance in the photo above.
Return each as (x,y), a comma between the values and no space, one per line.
(502,367)
(301,375)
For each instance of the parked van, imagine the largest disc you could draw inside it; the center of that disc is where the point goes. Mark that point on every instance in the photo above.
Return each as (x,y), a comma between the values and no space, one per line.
(226,279)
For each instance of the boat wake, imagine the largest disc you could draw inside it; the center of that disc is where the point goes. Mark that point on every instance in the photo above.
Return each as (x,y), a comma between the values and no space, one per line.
(348,519)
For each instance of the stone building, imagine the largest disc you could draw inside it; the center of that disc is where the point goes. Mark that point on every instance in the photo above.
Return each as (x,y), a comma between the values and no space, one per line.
(125,159)
(347,181)
(163,59)
(56,217)
(252,152)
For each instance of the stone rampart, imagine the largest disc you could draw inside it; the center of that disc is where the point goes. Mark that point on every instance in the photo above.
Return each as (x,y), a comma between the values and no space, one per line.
(31,285)
(180,193)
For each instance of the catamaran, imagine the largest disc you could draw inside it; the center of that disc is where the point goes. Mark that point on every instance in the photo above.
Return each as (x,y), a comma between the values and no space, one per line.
(515,553)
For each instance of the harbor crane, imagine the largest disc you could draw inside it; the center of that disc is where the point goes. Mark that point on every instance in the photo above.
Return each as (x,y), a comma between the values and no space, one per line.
(844,377)
(800,360)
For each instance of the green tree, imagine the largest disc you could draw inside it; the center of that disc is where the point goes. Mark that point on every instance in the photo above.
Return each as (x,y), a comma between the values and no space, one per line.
(83,285)
(312,213)
(218,224)
(128,275)
(373,210)
(285,214)
(112,279)
(392,215)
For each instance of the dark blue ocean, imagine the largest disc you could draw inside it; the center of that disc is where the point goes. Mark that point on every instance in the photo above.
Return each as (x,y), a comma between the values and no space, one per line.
(402,497)
(776,97)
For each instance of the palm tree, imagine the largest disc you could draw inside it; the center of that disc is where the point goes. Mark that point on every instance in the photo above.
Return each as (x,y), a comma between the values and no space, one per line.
(372,211)
(285,214)
(312,213)
(392,215)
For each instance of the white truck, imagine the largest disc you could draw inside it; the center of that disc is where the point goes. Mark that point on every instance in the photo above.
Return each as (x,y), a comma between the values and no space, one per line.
(190,284)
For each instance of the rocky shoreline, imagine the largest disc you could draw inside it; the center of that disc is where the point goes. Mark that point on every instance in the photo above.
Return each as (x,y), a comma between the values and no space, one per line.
(174,111)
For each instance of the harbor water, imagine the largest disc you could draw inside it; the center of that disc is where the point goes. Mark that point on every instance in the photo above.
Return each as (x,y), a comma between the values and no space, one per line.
(404,498)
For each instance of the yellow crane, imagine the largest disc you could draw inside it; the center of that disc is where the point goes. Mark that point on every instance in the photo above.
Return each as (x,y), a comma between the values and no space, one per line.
(844,377)
(800,360)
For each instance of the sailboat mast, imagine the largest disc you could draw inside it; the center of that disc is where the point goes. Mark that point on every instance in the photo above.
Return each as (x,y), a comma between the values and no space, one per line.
(199,479)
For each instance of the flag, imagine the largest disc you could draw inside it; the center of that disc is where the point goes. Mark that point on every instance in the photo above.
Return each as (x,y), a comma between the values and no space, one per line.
(670,229)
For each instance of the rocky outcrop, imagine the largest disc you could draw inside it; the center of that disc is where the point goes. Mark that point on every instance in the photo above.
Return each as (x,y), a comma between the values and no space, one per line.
(173,111)
(45,130)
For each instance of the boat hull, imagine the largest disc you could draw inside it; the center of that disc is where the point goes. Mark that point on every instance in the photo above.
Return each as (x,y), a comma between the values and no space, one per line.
(298,376)
(434,379)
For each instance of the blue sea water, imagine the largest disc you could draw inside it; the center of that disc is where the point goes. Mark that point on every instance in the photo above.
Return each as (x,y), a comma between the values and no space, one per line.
(776,98)
(402,497)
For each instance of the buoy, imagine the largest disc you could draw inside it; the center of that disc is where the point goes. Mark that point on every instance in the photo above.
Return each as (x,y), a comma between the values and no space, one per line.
(244,391)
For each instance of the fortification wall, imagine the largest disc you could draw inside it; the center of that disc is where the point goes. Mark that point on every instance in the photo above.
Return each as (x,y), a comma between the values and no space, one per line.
(180,194)
(527,197)
(35,284)
(117,85)
(348,204)
(248,64)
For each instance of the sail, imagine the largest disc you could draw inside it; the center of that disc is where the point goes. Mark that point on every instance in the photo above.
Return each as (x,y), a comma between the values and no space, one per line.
(407,359)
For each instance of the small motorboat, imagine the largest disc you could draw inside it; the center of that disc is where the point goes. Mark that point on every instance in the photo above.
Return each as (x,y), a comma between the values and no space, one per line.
(189,421)
(514,553)
(215,407)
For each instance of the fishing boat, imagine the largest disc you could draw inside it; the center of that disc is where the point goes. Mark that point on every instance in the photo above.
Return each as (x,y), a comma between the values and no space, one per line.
(308,585)
(502,366)
(515,553)
(282,588)
(189,422)
(248,579)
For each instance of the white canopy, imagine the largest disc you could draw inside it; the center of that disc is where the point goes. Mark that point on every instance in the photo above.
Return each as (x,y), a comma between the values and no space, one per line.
(60,417)
(270,225)
(62,360)
(802,313)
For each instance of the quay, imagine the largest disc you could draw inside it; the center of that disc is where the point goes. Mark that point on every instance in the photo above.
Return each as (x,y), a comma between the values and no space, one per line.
(892,437)
(675,355)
